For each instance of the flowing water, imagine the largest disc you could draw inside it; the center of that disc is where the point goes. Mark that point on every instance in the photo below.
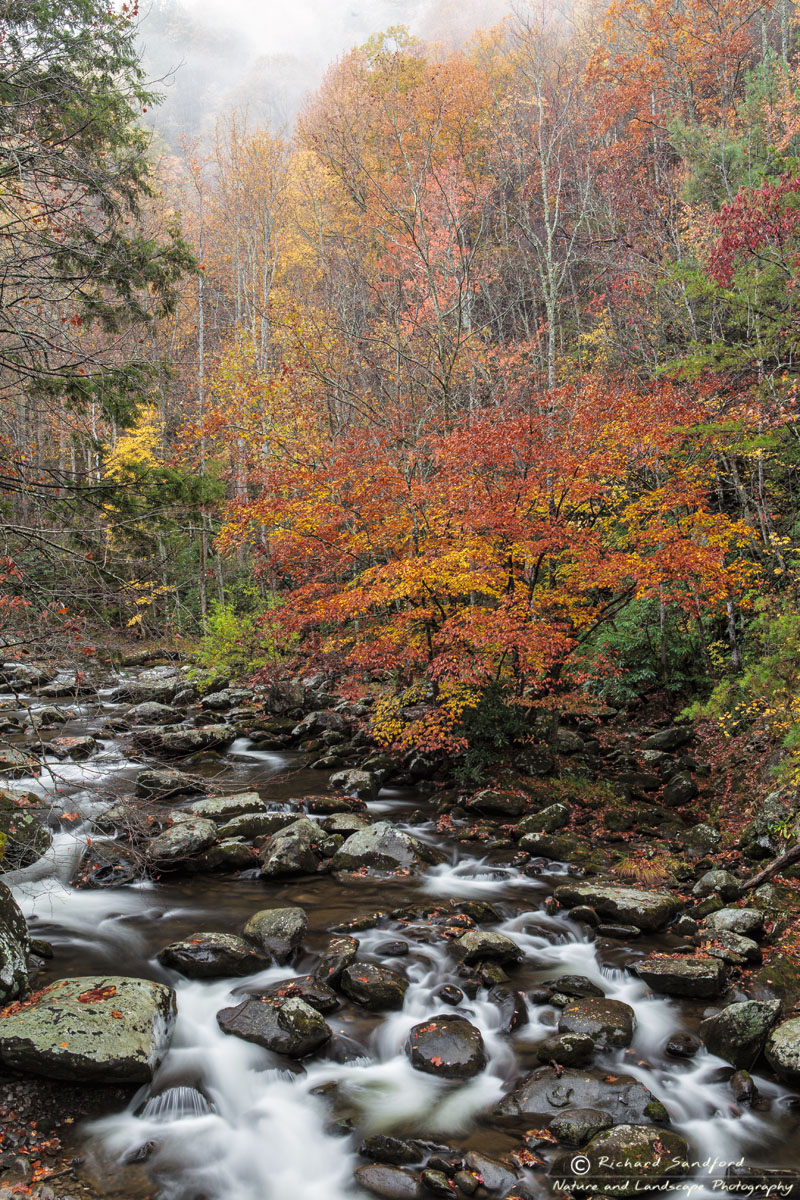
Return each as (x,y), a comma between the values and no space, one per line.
(226,1118)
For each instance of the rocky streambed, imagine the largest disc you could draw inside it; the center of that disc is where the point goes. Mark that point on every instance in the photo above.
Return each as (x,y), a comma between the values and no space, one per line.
(243,954)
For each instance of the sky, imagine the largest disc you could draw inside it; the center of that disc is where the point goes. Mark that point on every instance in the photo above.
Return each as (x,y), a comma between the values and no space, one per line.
(265,55)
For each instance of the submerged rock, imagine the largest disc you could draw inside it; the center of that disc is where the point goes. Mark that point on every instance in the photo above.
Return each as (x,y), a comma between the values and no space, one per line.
(212,955)
(447,1046)
(14,948)
(648,911)
(290,1027)
(98,1029)
(277,932)
(698,978)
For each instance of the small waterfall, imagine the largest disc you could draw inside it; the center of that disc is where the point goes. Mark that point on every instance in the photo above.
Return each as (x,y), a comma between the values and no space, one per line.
(174,1103)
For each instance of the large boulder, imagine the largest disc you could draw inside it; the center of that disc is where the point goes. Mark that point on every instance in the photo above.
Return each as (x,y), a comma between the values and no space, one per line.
(96,1029)
(698,978)
(447,1046)
(648,911)
(548,1090)
(277,932)
(170,849)
(14,948)
(291,1027)
(625,1161)
(738,1033)
(748,922)
(23,838)
(609,1023)
(382,849)
(373,987)
(212,956)
(783,1050)
(293,850)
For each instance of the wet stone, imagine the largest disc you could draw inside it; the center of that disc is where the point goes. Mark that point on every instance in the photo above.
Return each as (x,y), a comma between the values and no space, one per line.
(783,1050)
(576,1126)
(609,1023)
(164,784)
(477,946)
(698,978)
(650,1157)
(212,956)
(437,1184)
(14,947)
(339,954)
(392,1183)
(277,932)
(293,850)
(170,849)
(648,911)
(395,949)
(292,1027)
(392,1150)
(738,1033)
(511,1006)
(447,1046)
(567,1049)
(304,987)
(225,808)
(373,987)
(547,1090)
(449,994)
(576,985)
(682,1045)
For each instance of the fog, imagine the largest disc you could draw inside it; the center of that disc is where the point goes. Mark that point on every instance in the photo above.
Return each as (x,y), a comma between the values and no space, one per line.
(263,56)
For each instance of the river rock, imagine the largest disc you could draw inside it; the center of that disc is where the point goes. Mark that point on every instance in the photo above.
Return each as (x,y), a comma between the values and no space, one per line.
(48,716)
(24,674)
(170,849)
(567,1049)
(256,825)
(609,1023)
(225,699)
(783,1050)
(227,855)
(447,1046)
(303,987)
(76,748)
(648,911)
(23,838)
(292,1027)
(95,1029)
(575,985)
(361,784)
(478,946)
(150,712)
(392,1183)
(68,683)
(698,978)
(346,823)
(738,1033)
(164,783)
(212,956)
(548,1090)
(731,947)
(576,1126)
(293,850)
(626,1160)
(225,808)
(179,740)
(748,922)
(382,849)
(277,932)
(493,803)
(14,948)
(373,987)
(339,954)
(158,685)
(511,1006)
